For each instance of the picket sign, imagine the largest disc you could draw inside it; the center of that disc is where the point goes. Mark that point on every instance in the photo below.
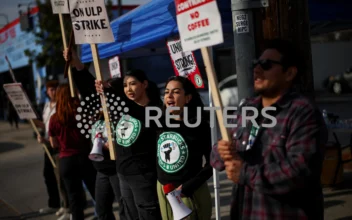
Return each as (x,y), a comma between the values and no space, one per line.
(184,62)
(91,25)
(199,25)
(23,106)
(115,67)
(61,7)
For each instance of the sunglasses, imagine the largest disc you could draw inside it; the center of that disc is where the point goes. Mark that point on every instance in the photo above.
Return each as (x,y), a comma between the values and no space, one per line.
(265,64)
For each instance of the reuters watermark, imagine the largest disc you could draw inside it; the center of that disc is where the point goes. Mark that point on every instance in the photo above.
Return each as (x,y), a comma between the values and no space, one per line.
(228,117)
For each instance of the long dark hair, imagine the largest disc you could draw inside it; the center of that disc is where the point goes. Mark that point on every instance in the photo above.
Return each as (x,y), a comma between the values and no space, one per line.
(189,89)
(152,90)
(66,106)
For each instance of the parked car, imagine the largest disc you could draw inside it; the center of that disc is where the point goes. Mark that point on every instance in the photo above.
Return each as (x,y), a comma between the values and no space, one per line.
(341,83)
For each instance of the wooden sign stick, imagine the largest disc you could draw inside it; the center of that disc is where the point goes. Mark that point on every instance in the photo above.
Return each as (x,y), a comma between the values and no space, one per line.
(213,81)
(67,65)
(99,76)
(65,46)
(31,120)
(44,146)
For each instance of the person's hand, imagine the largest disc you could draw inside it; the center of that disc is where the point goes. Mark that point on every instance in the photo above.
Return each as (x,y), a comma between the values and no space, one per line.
(106,146)
(40,139)
(99,86)
(226,150)
(180,189)
(233,169)
(39,123)
(75,61)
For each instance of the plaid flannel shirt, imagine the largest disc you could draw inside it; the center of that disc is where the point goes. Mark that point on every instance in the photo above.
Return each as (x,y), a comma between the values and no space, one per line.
(280,177)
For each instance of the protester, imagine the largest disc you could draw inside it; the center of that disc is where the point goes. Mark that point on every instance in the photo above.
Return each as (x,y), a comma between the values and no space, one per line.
(181,150)
(74,149)
(12,116)
(51,175)
(136,154)
(107,186)
(135,162)
(276,169)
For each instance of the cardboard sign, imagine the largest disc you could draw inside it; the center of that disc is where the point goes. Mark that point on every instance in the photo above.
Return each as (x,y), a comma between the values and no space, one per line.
(20,101)
(90,22)
(199,23)
(115,68)
(241,23)
(184,63)
(60,6)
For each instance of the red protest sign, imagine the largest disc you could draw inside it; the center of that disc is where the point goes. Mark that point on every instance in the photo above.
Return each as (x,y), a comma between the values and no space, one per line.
(184,63)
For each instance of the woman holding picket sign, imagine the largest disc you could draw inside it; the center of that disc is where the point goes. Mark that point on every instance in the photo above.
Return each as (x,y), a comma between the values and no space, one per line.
(181,151)
(107,182)
(74,148)
(135,151)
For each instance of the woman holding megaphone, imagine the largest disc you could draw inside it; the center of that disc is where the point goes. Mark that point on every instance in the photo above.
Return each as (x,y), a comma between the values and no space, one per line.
(181,148)
(135,142)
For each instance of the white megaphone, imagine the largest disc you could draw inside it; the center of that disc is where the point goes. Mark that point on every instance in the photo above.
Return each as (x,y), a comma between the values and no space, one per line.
(97,152)
(179,209)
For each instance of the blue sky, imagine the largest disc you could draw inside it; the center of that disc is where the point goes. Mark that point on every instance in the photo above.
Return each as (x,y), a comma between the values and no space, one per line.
(9,7)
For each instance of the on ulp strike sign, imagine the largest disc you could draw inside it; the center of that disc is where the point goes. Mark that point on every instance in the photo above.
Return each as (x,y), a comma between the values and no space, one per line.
(199,23)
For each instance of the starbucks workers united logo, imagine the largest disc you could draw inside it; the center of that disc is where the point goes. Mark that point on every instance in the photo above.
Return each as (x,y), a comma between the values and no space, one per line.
(127,130)
(172,152)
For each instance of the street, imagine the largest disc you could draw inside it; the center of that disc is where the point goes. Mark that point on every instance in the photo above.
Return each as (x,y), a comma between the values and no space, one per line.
(23,193)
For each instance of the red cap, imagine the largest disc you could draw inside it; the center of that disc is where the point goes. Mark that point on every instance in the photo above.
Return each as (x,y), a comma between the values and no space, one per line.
(168,188)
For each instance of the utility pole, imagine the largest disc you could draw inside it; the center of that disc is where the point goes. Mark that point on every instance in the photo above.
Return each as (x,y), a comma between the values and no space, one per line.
(120,7)
(123,61)
(244,29)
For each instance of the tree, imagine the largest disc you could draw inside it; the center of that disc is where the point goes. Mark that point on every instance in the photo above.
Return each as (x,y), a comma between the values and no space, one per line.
(48,34)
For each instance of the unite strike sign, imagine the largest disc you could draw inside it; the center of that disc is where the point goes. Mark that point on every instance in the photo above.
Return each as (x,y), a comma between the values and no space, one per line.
(199,23)
(90,22)
(20,101)
(184,63)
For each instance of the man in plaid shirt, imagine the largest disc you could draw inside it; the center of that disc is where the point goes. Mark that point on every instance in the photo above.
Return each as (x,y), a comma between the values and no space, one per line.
(276,169)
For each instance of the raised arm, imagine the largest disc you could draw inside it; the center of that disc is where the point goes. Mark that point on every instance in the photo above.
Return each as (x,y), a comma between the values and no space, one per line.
(83,79)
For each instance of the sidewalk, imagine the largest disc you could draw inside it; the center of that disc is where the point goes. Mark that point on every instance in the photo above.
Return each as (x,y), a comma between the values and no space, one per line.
(23,192)
(22,187)
(7,211)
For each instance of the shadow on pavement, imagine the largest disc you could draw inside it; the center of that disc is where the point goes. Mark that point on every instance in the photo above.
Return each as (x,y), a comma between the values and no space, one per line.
(9,146)
(9,218)
(30,215)
(345,218)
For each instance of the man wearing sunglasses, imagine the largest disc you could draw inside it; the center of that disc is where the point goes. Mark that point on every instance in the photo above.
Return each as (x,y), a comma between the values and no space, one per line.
(276,170)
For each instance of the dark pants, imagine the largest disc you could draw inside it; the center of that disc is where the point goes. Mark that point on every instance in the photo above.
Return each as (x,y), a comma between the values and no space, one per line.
(51,183)
(139,197)
(74,170)
(13,117)
(107,189)
(60,183)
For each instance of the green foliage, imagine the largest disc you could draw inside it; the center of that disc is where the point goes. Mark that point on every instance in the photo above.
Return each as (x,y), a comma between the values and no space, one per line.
(49,35)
